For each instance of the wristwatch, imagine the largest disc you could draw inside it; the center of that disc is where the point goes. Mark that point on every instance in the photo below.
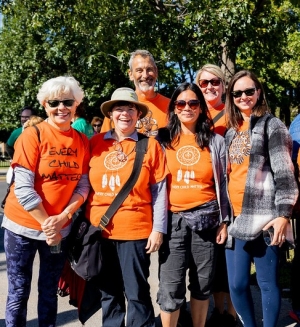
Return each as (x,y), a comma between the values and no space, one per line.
(68,213)
(227,223)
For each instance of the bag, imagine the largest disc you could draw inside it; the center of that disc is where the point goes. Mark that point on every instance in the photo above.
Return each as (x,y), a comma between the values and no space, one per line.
(84,252)
(206,216)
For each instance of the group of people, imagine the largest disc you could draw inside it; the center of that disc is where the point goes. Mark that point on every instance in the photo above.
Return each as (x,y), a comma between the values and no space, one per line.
(201,200)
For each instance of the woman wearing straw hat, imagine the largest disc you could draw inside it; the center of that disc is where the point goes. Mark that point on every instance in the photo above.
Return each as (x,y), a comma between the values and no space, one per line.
(137,227)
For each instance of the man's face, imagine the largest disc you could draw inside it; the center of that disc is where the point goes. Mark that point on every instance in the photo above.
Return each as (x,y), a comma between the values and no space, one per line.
(25,115)
(143,73)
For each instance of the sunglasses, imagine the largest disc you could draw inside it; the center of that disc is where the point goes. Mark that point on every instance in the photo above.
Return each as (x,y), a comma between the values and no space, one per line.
(97,125)
(181,104)
(55,103)
(204,82)
(239,93)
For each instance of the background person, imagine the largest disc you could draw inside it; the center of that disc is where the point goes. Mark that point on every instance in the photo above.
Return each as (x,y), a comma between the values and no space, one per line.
(211,81)
(97,123)
(137,227)
(262,191)
(143,73)
(25,114)
(198,206)
(80,122)
(51,182)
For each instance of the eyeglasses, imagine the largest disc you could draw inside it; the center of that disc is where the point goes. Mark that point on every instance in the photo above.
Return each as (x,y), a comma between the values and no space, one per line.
(97,125)
(239,93)
(204,82)
(66,103)
(181,104)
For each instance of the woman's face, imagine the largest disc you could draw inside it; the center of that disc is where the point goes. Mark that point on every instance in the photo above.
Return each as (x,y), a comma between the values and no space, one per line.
(245,102)
(187,108)
(212,93)
(125,117)
(97,126)
(60,111)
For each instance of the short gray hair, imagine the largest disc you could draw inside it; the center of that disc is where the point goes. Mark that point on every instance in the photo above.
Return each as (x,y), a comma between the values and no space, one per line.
(142,53)
(55,87)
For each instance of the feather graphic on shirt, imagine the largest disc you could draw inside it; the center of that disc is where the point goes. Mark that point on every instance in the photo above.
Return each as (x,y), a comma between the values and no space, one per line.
(104,181)
(179,175)
(187,177)
(192,174)
(112,183)
(118,182)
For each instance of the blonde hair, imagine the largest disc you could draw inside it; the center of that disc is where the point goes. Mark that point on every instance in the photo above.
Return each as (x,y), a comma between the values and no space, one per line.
(212,69)
(33,120)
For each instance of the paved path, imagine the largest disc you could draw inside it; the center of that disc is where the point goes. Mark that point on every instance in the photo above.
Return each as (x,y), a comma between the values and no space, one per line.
(67,315)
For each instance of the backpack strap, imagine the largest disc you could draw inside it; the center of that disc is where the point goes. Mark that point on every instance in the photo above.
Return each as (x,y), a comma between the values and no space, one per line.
(219,116)
(141,150)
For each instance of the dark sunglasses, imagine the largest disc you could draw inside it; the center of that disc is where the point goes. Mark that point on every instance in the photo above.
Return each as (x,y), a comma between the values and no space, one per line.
(239,93)
(204,82)
(97,125)
(55,103)
(181,104)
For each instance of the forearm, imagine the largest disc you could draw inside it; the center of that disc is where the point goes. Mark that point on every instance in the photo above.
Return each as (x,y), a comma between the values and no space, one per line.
(160,207)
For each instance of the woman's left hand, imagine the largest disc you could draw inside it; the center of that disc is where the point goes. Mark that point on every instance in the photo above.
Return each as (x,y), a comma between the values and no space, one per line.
(154,241)
(280,225)
(221,234)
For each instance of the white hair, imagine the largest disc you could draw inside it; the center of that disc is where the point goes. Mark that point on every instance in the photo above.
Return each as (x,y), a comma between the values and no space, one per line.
(54,88)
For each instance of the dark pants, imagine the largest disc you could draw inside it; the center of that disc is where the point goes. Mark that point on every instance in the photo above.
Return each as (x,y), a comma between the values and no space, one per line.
(20,252)
(184,248)
(295,285)
(266,260)
(126,270)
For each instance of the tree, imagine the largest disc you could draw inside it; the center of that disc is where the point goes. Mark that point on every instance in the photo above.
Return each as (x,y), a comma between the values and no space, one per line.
(92,41)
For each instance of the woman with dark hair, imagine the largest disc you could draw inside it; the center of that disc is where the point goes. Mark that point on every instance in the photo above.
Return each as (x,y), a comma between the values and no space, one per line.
(262,191)
(198,205)
(80,122)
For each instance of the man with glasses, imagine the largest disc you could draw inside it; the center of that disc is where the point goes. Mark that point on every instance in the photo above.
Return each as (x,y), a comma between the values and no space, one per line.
(25,114)
(143,73)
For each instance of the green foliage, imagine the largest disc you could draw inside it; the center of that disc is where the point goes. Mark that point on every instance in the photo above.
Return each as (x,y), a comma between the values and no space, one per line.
(92,41)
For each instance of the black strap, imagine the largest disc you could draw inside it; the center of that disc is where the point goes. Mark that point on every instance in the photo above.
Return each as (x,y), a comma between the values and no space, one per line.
(13,174)
(218,116)
(141,149)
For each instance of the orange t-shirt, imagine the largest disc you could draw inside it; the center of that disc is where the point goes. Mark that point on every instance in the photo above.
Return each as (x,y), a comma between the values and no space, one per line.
(190,179)
(239,155)
(156,117)
(58,161)
(220,125)
(134,218)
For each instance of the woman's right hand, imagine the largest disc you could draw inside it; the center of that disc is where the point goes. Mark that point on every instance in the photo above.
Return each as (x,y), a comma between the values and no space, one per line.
(55,240)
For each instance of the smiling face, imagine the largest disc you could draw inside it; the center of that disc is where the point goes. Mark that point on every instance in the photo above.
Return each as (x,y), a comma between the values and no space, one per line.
(143,74)
(61,116)
(188,116)
(212,94)
(245,103)
(124,116)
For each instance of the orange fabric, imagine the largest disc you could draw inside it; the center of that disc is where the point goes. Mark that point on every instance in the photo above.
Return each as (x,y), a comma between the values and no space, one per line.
(239,155)
(133,220)
(157,116)
(298,159)
(191,180)
(220,125)
(58,162)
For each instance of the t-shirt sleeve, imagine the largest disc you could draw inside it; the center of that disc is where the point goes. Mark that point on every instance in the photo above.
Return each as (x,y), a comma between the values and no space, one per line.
(157,161)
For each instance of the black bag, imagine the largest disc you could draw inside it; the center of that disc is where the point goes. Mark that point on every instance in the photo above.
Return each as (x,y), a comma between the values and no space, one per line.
(84,252)
(85,239)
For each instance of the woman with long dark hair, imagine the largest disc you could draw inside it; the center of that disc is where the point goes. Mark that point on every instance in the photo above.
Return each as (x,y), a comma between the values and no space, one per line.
(198,205)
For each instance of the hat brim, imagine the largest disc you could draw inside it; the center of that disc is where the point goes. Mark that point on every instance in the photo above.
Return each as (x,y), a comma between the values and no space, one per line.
(107,106)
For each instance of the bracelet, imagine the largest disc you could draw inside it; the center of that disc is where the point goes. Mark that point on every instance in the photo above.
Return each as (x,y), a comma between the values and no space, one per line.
(68,213)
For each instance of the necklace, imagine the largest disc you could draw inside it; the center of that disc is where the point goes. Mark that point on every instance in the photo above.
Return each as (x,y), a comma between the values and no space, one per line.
(120,155)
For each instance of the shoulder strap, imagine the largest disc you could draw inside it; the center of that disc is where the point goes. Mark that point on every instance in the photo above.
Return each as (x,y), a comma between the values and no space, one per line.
(218,116)
(141,149)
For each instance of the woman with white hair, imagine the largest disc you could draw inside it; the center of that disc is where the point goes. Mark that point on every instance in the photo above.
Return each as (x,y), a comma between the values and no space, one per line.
(50,183)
